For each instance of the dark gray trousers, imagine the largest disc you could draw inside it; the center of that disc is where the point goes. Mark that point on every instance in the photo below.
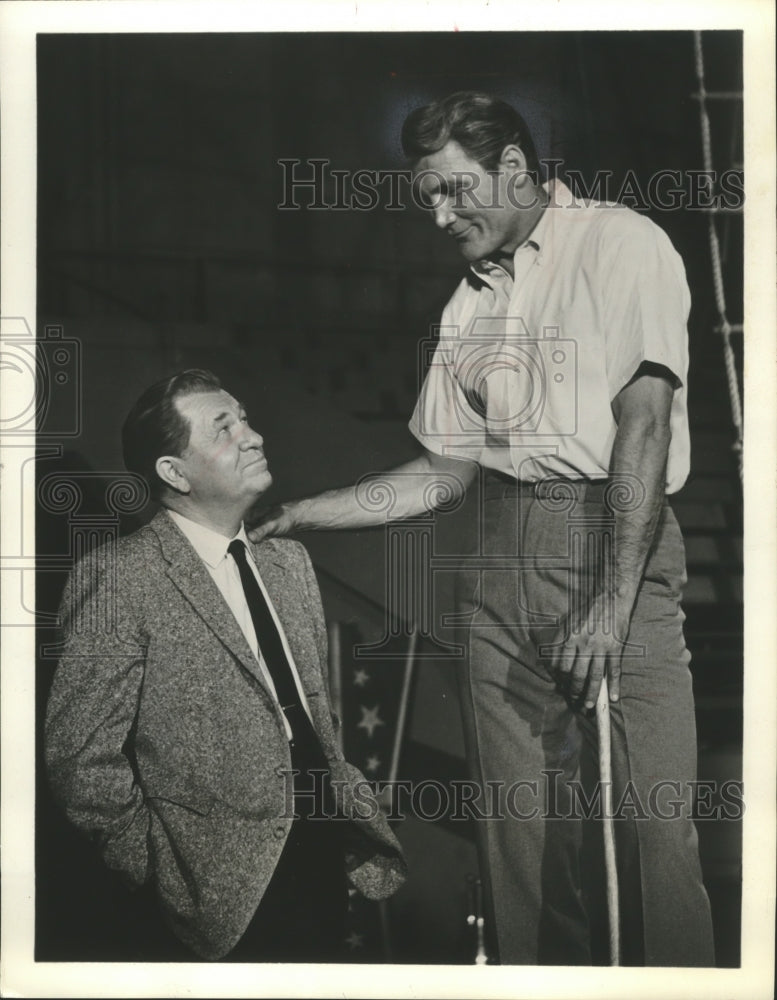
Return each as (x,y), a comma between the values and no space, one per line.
(536,754)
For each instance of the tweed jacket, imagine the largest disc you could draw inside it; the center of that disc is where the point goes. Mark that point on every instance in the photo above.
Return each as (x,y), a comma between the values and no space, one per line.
(165,746)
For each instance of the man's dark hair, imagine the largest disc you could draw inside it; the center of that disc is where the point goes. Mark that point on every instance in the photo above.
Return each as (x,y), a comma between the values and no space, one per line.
(481,124)
(154,427)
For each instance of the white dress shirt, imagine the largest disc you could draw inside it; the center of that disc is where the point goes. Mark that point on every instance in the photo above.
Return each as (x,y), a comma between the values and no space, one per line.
(526,368)
(212,547)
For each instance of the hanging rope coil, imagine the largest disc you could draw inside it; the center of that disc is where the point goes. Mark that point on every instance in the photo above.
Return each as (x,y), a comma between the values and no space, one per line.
(724,327)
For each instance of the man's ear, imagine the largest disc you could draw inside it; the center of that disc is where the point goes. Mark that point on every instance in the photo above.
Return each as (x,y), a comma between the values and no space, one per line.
(169,470)
(513,159)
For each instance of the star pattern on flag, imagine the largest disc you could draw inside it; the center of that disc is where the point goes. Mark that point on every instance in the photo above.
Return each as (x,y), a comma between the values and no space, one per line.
(368,742)
(370,719)
(355,940)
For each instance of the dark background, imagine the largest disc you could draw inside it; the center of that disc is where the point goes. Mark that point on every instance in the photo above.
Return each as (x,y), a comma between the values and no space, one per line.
(160,246)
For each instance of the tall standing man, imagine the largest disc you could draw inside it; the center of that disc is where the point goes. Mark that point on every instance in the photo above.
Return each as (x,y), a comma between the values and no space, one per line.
(189,731)
(560,374)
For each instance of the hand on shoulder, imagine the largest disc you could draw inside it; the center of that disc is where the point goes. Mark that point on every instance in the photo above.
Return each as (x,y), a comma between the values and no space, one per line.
(269,523)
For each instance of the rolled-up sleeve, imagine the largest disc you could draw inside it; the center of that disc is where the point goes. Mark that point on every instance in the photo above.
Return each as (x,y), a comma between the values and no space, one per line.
(645,304)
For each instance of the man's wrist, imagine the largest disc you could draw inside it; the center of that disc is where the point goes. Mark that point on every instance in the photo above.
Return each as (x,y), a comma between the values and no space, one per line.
(614,604)
(291,516)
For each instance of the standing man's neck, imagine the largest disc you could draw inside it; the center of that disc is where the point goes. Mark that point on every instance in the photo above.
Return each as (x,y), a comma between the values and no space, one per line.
(526,222)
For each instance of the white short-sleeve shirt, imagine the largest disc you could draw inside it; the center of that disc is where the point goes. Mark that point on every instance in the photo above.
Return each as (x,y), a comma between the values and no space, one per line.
(525,369)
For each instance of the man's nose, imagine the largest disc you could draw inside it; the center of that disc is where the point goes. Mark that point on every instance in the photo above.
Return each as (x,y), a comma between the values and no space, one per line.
(443,214)
(251,438)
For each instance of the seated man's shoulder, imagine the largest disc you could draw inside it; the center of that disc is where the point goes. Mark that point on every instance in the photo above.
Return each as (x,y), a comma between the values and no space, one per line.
(284,550)
(139,551)
(141,546)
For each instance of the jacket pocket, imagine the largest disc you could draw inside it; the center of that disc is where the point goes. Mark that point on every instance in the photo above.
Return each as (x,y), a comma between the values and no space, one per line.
(127,851)
(182,794)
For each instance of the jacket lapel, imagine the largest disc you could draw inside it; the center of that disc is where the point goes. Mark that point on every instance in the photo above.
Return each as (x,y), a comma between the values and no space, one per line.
(289,604)
(192,578)
(186,571)
(287,601)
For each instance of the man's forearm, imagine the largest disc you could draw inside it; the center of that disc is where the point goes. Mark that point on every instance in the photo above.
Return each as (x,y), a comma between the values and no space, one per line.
(592,646)
(639,456)
(408,490)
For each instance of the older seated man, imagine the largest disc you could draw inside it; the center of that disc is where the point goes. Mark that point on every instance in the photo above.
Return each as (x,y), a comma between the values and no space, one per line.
(189,730)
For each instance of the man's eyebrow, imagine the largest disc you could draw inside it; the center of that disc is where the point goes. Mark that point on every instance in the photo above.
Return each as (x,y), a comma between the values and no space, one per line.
(462,182)
(445,187)
(439,187)
(226,414)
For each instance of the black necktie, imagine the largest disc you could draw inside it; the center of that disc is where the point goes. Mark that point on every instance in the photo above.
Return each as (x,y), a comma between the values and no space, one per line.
(304,739)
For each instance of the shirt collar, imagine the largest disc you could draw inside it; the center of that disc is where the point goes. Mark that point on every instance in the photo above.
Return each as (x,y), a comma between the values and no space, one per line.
(210,545)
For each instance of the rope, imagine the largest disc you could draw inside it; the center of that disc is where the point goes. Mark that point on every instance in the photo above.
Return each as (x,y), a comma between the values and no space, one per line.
(724,327)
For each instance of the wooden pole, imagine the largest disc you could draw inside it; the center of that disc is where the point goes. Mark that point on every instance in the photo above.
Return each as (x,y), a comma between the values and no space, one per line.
(399,734)
(336,675)
(605,781)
